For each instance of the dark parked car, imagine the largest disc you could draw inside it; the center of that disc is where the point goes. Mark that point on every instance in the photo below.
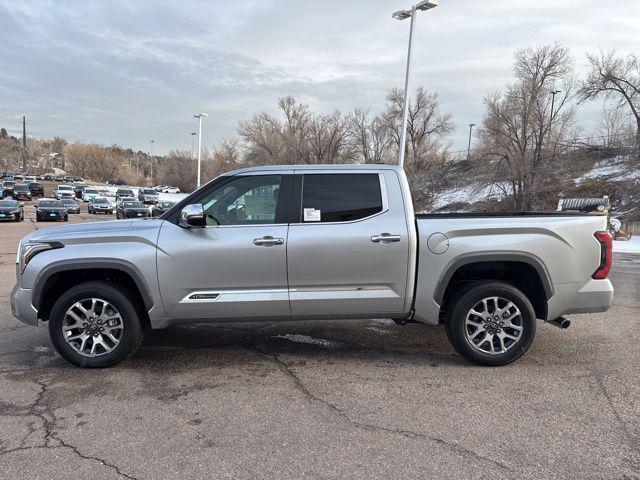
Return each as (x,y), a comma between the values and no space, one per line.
(48,178)
(161,207)
(79,189)
(11,210)
(71,205)
(131,209)
(21,192)
(124,193)
(100,205)
(7,186)
(37,189)
(116,181)
(51,209)
(78,179)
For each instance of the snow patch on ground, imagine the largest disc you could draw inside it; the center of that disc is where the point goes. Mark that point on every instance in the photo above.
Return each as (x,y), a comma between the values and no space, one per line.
(321,342)
(471,194)
(610,168)
(627,246)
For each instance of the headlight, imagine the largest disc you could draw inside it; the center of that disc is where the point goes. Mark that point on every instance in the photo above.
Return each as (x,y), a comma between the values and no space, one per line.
(29,249)
(16,211)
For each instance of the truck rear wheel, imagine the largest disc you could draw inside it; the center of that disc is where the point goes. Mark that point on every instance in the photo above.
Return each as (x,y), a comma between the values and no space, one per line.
(94,325)
(491,324)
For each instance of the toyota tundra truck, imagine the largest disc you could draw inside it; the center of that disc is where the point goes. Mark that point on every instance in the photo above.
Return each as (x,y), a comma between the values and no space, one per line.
(312,243)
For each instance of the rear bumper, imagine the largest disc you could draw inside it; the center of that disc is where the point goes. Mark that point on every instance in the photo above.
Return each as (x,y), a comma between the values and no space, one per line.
(21,306)
(592,297)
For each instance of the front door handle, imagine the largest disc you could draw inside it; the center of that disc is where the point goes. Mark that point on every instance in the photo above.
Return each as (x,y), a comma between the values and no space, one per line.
(268,241)
(386,238)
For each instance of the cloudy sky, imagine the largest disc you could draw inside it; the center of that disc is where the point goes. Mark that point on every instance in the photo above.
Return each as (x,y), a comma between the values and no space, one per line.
(129,71)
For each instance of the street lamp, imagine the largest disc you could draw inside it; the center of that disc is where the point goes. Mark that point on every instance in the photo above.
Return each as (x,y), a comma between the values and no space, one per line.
(152,142)
(403,15)
(199,116)
(193,139)
(553,102)
(471,125)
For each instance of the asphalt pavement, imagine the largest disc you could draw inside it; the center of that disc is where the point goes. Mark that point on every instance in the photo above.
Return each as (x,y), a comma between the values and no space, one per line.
(353,399)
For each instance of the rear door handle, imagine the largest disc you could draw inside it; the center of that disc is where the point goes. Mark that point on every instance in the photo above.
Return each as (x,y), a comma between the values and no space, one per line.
(386,238)
(268,241)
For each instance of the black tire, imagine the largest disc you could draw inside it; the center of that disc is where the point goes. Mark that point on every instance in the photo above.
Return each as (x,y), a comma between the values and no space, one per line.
(468,298)
(131,337)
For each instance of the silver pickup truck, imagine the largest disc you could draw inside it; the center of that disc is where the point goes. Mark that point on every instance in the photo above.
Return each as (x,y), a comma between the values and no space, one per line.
(312,242)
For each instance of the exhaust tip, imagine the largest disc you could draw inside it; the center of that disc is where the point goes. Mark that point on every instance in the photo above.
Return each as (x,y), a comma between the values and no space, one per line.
(561,322)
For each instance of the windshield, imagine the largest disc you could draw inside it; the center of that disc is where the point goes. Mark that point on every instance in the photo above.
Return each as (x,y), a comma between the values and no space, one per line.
(9,183)
(8,203)
(167,204)
(125,192)
(148,191)
(69,201)
(50,203)
(101,201)
(91,190)
(65,187)
(132,205)
(19,188)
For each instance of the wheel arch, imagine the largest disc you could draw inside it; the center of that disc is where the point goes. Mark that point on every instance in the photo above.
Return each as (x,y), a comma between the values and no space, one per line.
(520,269)
(62,275)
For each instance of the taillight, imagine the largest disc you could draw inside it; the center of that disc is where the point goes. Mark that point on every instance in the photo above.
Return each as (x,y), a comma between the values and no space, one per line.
(606,248)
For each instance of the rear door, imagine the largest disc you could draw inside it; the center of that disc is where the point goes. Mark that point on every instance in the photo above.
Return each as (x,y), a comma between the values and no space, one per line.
(348,247)
(236,265)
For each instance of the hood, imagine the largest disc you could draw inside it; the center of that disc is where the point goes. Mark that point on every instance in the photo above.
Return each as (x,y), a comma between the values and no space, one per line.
(101,232)
(9,209)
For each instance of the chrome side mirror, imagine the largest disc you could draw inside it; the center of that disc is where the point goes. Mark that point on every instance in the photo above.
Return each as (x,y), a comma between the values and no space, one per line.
(192,216)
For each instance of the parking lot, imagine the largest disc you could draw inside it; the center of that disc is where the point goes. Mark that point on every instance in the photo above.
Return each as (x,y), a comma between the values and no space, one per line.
(360,399)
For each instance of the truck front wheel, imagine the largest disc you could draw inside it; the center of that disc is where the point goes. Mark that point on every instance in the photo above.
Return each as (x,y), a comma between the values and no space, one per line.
(94,325)
(491,323)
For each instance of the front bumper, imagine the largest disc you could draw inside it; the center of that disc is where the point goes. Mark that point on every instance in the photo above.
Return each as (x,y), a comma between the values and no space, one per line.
(21,306)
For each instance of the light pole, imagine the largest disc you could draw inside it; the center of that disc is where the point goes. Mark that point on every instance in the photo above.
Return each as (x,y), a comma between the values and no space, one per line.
(199,116)
(193,139)
(471,125)
(553,102)
(152,142)
(402,15)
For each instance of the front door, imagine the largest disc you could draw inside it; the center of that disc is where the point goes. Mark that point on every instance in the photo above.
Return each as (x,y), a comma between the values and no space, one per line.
(348,252)
(236,266)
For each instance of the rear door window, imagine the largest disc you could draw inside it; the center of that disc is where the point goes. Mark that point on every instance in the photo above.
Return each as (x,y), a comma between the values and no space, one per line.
(340,197)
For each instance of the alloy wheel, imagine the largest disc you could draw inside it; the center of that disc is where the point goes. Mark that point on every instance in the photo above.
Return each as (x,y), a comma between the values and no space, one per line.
(92,327)
(494,325)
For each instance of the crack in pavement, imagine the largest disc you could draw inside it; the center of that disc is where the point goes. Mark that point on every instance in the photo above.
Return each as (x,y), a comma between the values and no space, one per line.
(337,412)
(49,423)
(633,440)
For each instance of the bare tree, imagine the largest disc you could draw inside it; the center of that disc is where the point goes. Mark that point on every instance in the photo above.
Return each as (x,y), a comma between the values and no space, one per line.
(618,79)
(613,125)
(370,138)
(520,131)
(426,127)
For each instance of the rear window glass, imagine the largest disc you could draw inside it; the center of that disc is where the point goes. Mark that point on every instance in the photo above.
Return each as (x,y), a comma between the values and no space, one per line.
(132,205)
(340,197)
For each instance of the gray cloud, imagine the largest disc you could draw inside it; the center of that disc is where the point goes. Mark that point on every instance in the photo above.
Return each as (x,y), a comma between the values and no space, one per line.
(127,72)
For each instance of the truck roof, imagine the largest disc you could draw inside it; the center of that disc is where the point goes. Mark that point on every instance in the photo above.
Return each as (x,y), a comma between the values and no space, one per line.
(350,166)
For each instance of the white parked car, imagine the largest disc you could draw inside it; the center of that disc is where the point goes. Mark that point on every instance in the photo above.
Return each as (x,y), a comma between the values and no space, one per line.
(89,193)
(171,190)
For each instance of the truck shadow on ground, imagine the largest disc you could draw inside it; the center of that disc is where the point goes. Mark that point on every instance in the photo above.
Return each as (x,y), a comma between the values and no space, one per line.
(380,339)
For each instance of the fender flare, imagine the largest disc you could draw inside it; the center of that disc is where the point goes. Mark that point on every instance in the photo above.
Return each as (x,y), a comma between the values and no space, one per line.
(92,264)
(483,257)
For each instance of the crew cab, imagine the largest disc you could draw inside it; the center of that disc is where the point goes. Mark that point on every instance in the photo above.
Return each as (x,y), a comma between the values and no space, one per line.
(309,243)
